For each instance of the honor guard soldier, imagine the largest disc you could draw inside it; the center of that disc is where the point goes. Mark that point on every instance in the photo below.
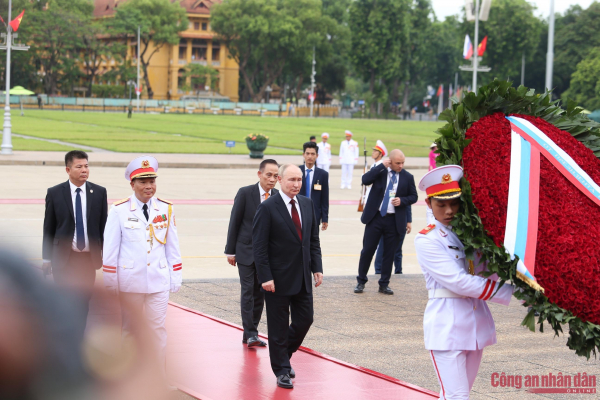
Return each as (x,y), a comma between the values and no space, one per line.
(348,159)
(457,321)
(141,257)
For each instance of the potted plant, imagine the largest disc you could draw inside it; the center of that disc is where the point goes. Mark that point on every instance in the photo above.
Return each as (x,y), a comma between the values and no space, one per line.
(257,143)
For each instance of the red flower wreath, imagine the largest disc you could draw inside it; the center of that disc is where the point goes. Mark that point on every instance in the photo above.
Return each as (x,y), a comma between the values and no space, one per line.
(568,254)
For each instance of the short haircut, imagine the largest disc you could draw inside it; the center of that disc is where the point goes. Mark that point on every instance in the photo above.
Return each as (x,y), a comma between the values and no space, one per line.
(310,145)
(313,137)
(264,163)
(73,154)
(283,168)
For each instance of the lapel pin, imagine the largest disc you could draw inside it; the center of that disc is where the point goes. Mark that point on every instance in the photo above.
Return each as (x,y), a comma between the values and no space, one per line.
(91,191)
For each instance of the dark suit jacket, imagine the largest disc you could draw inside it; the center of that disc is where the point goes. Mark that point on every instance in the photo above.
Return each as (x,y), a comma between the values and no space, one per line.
(406,191)
(59,223)
(320,198)
(239,235)
(279,254)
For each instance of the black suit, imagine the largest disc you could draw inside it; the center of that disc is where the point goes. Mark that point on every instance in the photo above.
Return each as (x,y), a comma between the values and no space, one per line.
(69,267)
(392,226)
(281,256)
(320,198)
(239,243)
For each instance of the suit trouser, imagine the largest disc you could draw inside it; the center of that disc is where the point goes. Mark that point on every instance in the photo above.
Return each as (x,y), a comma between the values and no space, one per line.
(285,339)
(252,299)
(153,307)
(397,257)
(456,371)
(376,229)
(347,170)
(77,276)
(324,166)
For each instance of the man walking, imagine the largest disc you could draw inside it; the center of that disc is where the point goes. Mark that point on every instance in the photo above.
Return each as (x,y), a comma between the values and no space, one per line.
(385,216)
(315,184)
(324,153)
(348,159)
(142,260)
(239,247)
(74,231)
(287,252)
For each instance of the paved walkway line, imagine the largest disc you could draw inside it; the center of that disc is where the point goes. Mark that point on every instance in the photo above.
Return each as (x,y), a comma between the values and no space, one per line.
(81,146)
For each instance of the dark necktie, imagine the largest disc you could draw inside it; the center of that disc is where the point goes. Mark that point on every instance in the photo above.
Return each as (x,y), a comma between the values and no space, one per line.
(296,218)
(145,208)
(79,221)
(386,196)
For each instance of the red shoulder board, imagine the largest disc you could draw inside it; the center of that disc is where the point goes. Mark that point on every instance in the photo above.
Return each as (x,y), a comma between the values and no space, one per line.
(164,201)
(427,229)
(125,200)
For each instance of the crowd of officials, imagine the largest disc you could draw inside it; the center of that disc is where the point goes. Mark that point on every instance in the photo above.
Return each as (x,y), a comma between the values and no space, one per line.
(273,239)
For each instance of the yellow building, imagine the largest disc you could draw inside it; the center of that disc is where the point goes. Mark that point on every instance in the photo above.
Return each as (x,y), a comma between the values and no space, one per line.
(196,45)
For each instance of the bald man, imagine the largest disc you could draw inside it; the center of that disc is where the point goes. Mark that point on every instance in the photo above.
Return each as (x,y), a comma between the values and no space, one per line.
(385,216)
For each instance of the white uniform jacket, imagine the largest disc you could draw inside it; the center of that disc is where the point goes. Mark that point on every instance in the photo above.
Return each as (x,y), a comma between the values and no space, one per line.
(456,323)
(349,152)
(324,157)
(141,256)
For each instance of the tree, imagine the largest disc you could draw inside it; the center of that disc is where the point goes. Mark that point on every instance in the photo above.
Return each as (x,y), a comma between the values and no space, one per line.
(95,50)
(585,82)
(199,76)
(160,22)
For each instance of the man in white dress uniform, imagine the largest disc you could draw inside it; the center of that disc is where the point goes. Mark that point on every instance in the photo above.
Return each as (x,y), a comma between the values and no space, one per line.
(141,257)
(324,156)
(348,159)
(457,321)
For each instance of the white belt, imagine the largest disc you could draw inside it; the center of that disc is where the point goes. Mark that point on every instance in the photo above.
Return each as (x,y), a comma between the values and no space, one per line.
(444,294)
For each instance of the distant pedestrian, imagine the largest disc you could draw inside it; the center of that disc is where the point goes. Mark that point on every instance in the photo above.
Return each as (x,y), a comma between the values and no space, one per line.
(324,158)
(313,139)
(129,110)
(432,156)
(348,159)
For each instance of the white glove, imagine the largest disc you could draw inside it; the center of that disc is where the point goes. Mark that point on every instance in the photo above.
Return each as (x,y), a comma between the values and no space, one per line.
(175,287)
(112,290)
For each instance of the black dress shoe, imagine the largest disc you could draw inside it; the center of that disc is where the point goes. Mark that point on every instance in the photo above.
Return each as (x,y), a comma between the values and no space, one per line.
(398,272)
(359,288)
(385,290)
(292,373)
(244,341)
(254,341)
(284,381)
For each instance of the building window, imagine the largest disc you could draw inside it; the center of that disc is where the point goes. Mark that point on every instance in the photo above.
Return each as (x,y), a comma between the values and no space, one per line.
(216,50)
(199,47)
(197,26)
(204,26)
(183,49)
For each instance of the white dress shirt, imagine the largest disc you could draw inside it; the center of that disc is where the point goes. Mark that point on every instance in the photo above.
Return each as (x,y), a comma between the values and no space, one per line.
(83,196)
(390,207)
(310,177)
(141,205)
(286,200)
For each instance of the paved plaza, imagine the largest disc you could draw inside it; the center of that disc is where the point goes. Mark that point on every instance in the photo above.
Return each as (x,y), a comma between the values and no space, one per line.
(383,333)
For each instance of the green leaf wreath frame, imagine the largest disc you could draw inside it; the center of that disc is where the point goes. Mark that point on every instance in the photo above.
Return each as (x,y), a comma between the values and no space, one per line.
(501,96)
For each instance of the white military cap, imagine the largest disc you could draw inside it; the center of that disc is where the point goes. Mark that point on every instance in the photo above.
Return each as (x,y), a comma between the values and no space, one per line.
(433,145)
(380,147)
(325,134)
(142,167)
(442,183)
(348,133)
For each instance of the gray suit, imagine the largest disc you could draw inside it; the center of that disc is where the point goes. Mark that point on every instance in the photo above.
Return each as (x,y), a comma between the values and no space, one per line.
(239,242)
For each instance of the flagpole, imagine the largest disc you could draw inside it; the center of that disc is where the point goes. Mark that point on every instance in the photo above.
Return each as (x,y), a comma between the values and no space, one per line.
(476,47)
(550,54)
(312,84)
(6,132)
(137,89)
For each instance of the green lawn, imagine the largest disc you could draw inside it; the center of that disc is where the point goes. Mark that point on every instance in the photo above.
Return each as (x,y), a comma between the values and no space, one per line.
(37,145)
(184,133)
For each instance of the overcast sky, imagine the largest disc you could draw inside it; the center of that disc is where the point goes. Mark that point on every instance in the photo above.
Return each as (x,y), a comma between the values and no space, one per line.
(444,8)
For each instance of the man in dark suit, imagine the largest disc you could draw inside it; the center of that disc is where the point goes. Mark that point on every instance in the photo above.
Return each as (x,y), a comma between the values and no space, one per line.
(385,216)
(315,184)
(398,254)
(287,252)
(74,221)
(239,247)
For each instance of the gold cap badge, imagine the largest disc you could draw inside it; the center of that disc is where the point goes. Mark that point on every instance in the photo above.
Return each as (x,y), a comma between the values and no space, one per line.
(446,178)
(145,164)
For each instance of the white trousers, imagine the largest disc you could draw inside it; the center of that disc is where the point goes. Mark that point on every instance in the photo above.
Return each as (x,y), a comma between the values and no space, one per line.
(324,166)
(456,371)
(347,170)
(153,307)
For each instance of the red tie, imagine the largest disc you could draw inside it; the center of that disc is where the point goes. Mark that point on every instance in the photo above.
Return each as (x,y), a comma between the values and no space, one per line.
(296,218)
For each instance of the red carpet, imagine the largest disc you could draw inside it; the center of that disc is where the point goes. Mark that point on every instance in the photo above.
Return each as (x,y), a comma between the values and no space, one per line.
(207,360)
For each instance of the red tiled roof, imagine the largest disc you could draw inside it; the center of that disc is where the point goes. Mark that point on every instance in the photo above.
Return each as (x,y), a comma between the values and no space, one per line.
(105,8)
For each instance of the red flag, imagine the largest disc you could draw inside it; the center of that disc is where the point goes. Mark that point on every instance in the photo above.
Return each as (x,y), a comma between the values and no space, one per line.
(481,47)
(440,91)
(14,24)
(1,19)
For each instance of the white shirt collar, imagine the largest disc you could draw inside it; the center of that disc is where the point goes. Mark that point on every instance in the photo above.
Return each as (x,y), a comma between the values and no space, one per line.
(312,169)
(286,198)
(141,203)
(74,188)
(262,191)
